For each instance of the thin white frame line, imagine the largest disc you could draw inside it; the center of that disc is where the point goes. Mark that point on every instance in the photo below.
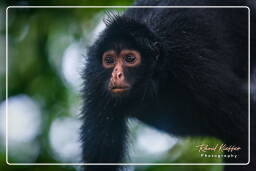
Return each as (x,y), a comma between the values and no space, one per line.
(249,81)
(6,87)
(249,85)
(127,7)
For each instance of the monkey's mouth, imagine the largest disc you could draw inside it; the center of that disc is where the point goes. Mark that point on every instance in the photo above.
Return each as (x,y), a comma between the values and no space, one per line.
(119,89)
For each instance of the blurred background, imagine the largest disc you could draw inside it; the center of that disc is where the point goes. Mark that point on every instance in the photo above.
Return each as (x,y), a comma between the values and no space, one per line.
(46,52)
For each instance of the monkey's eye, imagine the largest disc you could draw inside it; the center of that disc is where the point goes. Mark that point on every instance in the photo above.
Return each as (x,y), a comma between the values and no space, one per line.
(109,60)
(129,58)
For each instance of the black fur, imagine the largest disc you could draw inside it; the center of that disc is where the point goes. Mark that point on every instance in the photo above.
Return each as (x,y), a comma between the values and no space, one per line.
(192,81)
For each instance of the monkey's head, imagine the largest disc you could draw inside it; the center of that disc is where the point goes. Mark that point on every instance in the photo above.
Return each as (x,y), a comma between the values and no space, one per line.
(125,57)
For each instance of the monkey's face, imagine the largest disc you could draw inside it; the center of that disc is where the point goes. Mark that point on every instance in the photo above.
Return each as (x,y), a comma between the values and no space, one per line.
(121,64)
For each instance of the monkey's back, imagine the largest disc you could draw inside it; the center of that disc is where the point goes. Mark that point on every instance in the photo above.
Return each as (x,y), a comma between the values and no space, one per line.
(218,34)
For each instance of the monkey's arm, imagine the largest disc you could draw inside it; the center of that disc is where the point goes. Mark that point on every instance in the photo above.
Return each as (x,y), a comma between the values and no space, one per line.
(103,137)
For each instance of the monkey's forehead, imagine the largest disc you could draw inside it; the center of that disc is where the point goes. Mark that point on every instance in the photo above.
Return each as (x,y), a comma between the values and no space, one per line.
(118,44)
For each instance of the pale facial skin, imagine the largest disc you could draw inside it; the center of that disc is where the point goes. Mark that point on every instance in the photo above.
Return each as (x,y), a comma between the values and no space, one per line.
(126,58)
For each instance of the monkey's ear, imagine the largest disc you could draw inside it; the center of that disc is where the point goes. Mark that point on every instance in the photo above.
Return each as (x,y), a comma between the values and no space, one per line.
(157,46)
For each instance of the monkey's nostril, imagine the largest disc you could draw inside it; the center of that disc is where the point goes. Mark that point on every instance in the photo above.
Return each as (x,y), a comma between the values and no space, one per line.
(120,75)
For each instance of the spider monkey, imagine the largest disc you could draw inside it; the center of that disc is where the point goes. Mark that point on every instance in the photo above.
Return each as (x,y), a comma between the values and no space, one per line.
(182,70)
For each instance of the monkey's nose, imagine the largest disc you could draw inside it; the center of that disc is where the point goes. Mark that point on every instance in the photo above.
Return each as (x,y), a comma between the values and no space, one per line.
(120,76)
